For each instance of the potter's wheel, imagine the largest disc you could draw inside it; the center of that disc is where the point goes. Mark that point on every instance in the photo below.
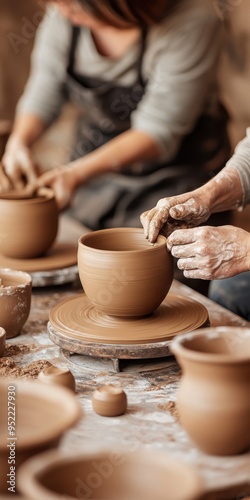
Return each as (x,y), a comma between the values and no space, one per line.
(77,326)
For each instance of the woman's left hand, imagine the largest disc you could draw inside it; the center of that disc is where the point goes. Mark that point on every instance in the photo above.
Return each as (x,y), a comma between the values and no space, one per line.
(61,180)
(211,252)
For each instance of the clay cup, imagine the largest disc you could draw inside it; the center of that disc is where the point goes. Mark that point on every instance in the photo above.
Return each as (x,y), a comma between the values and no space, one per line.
(29,223)
(122,273)
(55,375)
(213,398)
(15,300)
(41,415)
(109,401)
(108,475)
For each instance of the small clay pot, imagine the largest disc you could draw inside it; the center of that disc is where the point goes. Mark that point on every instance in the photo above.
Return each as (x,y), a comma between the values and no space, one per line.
(15,300)
(55,375)
(2,341)
(213,399)
(113,475)
(122,273)
(29,223)
(109,401)
(40,416)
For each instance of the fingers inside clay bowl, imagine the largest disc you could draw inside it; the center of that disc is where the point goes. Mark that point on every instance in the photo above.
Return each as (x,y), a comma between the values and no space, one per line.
(110,475)
(42,415)
(55,375)
(2,341)
(29,223)
(216,367)
(15,300)
(122,273)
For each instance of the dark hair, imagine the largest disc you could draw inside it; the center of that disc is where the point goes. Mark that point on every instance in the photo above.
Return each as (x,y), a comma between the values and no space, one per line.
(124,13)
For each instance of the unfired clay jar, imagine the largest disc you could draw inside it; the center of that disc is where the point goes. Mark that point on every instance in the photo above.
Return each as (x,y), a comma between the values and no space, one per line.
(55,375)
(15,300)
(2,341)
(40,415)
(28,224)
(109,401)
(122,273)
(144,475)
(213,400)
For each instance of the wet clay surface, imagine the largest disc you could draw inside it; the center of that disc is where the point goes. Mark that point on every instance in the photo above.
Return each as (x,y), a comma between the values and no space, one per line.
(150,387)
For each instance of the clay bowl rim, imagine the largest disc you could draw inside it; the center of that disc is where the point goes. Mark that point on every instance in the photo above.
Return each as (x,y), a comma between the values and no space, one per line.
(160,242)
(32,470)
(178,349)
(55,394)
(19,286)
(41,196)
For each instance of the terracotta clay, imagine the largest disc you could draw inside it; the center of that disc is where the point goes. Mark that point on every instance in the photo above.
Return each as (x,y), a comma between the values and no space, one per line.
(28,225)
(61,255)
(213,400)
(2,340)
(78,319)
(15,300)
(109,401)
(55,375)
(122,273)
(42,415)
(113,475)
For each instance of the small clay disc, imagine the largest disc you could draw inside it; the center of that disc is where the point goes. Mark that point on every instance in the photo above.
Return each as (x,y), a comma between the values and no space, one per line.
(109,401)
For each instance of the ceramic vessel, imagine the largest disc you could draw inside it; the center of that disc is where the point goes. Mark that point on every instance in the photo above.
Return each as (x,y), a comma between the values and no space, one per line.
(144,475)
(28,223)
(55,375)
(40,415)
(15,300)
(2,341)
(109,401)
(213,400)
(122,273)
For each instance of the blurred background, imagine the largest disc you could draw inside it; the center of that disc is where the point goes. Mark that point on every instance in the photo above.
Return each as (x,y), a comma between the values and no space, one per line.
(18,24)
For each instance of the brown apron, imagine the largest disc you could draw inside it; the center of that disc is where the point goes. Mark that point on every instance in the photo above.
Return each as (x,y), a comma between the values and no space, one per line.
(118,199)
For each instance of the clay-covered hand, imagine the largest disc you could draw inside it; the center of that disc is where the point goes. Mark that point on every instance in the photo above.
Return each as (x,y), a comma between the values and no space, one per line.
(18,166)
(211,252)
(187,210)
(61,180)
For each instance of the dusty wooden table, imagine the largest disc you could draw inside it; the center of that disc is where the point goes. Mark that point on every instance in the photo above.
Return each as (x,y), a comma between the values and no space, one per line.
(151,389)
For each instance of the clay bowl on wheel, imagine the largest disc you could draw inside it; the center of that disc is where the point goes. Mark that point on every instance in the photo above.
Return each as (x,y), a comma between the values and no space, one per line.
(33,418)
(122,273)
(15,300)
(28,223)
(144,475)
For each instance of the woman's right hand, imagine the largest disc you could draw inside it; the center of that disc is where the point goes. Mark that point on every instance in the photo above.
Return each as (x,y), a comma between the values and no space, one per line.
(17,168)
(176,212)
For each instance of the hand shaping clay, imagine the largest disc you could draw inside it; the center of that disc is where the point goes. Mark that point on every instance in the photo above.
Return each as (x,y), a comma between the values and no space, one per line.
(109,401)
(15,300)
(2,341)
(54,375)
